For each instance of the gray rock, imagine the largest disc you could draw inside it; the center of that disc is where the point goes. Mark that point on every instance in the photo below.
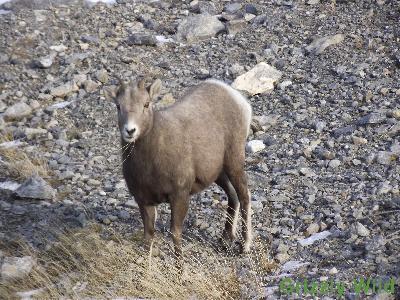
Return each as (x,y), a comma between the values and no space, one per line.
(385,157)
(319,126)
(102,76)
(17,111)
(250,9)
(64,90)
(205,7)
(235,26)
(36,188)
(347,130)
(334,163)
(315,237)
(320,44)
(360,229)
(198,28)
(3,106)
(372,118)
(258,80)
(384,188)
(232,8)
(45,62)
(90,86)
(141,39)
(16,267)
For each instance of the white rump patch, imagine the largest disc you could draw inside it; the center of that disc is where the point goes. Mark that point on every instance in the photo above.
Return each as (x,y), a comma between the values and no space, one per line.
(239,99)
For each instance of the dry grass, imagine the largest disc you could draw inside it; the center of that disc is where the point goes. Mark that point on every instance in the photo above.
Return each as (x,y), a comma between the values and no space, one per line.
(17,164)
(85,264)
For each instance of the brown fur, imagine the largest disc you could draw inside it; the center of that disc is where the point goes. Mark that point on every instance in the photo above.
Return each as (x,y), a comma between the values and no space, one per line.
(182,150)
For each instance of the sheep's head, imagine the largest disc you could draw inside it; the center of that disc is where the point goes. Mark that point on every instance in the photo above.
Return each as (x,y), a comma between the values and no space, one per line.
(134,105)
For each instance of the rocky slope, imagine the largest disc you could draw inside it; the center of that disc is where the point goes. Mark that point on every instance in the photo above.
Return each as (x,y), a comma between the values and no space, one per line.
(327,123)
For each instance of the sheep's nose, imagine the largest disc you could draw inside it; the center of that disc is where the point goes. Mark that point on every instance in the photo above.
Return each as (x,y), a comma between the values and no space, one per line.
(130,132)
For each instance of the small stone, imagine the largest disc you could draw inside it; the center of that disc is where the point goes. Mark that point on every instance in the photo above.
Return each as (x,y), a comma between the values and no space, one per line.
(360,229)
(284,84)
(359,140)
(334,163)
(142,39)
(90,86)
(102,76)
(255,146)
(58,48)
(385,157)
(250,9)
(312,228)
(131,204)
(45,62)
(16,267)
(235,26)
(396,113)
(36,188)
(315,237)
(94,182)
(64,90)
(17,111)
(124,215)
(333,271)
(232,8)
(372,118)
(313,2)
(3,106)
(307,172)
(319,45)
(384,188)
(319,126)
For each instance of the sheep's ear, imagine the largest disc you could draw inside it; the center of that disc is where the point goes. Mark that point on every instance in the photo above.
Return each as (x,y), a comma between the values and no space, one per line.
(154,89)
(110,92)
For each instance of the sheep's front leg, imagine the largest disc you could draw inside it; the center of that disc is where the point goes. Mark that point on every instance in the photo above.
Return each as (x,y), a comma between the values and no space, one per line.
(179,208)
(148,213)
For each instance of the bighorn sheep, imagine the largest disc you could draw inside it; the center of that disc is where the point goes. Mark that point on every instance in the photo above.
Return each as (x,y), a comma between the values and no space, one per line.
(172,153)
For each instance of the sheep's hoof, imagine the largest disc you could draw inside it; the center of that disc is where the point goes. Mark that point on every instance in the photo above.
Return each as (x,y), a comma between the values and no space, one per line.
(245,247)
(226,244)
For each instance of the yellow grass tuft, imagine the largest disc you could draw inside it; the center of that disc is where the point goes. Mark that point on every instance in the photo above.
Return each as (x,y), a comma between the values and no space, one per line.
(16,163)
(86,264)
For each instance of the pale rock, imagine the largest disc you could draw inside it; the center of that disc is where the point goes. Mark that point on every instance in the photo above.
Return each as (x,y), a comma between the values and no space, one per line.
(16,267)
(64,90)
(255,146)
(260,79)
(17,111)
(312,228)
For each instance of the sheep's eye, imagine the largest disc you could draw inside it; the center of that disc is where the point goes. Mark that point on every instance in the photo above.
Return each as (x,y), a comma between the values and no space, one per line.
(147,105)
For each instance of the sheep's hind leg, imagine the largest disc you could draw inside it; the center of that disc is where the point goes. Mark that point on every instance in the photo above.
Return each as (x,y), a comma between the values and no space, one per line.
(232,210)
(237,176)
(179,207)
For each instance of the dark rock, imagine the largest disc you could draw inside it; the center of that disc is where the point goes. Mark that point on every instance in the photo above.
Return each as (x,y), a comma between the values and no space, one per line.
(142,39)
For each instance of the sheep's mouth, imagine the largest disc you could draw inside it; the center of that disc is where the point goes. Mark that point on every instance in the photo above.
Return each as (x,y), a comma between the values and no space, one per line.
(130,140)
